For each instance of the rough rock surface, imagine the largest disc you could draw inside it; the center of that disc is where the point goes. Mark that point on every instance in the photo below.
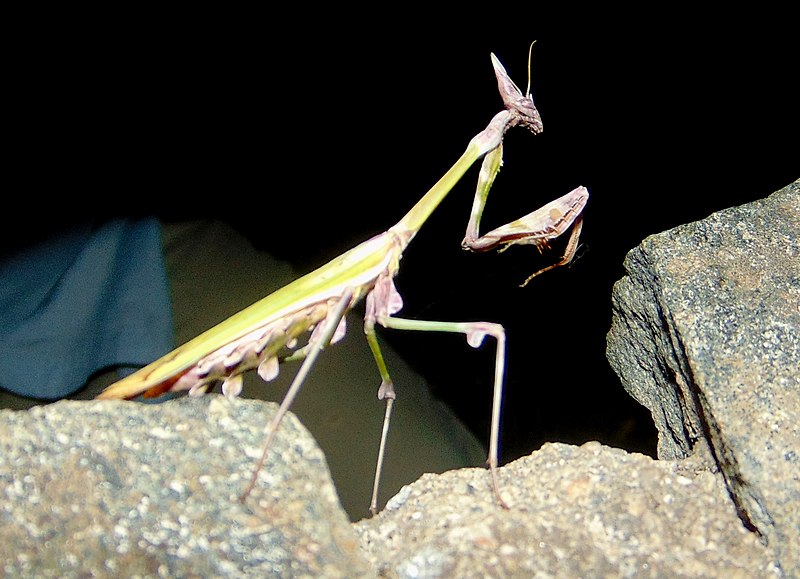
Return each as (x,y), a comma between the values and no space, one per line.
(119,489)
(706,334)
(588,511)
(115,488)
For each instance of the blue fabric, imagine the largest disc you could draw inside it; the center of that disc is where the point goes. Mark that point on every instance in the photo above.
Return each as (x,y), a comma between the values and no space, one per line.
(94,297)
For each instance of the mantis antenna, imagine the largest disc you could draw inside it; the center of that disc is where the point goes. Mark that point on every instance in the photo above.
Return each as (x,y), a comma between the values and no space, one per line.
(528,88)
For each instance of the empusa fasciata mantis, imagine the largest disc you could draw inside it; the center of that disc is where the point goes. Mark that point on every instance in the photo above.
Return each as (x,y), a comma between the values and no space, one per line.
(266,333)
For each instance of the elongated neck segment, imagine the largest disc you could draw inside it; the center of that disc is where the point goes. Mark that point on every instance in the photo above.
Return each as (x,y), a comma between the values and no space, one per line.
(490,138)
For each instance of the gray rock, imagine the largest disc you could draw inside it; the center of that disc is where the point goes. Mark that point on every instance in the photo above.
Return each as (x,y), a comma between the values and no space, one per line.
(116,488)
(706,334)
(589,511)
(125,489)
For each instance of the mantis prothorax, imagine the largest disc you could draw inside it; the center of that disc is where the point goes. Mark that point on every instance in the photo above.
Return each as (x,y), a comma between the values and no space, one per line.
(266,333)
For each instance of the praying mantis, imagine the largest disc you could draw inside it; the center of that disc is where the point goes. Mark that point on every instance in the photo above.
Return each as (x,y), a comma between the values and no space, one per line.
(267,333)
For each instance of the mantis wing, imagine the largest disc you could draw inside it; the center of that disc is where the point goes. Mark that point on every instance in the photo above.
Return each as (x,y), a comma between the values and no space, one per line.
(254,336)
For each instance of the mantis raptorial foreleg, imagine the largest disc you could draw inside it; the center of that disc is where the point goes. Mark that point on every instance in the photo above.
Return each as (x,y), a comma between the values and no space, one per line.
(266,334)
(537,228)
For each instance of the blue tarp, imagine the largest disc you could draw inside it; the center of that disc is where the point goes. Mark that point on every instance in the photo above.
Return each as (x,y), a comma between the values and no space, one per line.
(94,297)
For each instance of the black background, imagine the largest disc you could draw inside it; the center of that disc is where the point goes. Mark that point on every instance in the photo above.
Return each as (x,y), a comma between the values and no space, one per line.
(310,132)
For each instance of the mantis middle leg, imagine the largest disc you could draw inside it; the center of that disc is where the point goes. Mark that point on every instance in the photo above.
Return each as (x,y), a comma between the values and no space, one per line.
(381,304)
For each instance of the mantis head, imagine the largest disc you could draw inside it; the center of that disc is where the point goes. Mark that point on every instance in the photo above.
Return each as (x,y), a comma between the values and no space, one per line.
(518,104)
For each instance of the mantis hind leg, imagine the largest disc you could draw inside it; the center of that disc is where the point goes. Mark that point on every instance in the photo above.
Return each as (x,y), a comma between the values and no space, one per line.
(310,353)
